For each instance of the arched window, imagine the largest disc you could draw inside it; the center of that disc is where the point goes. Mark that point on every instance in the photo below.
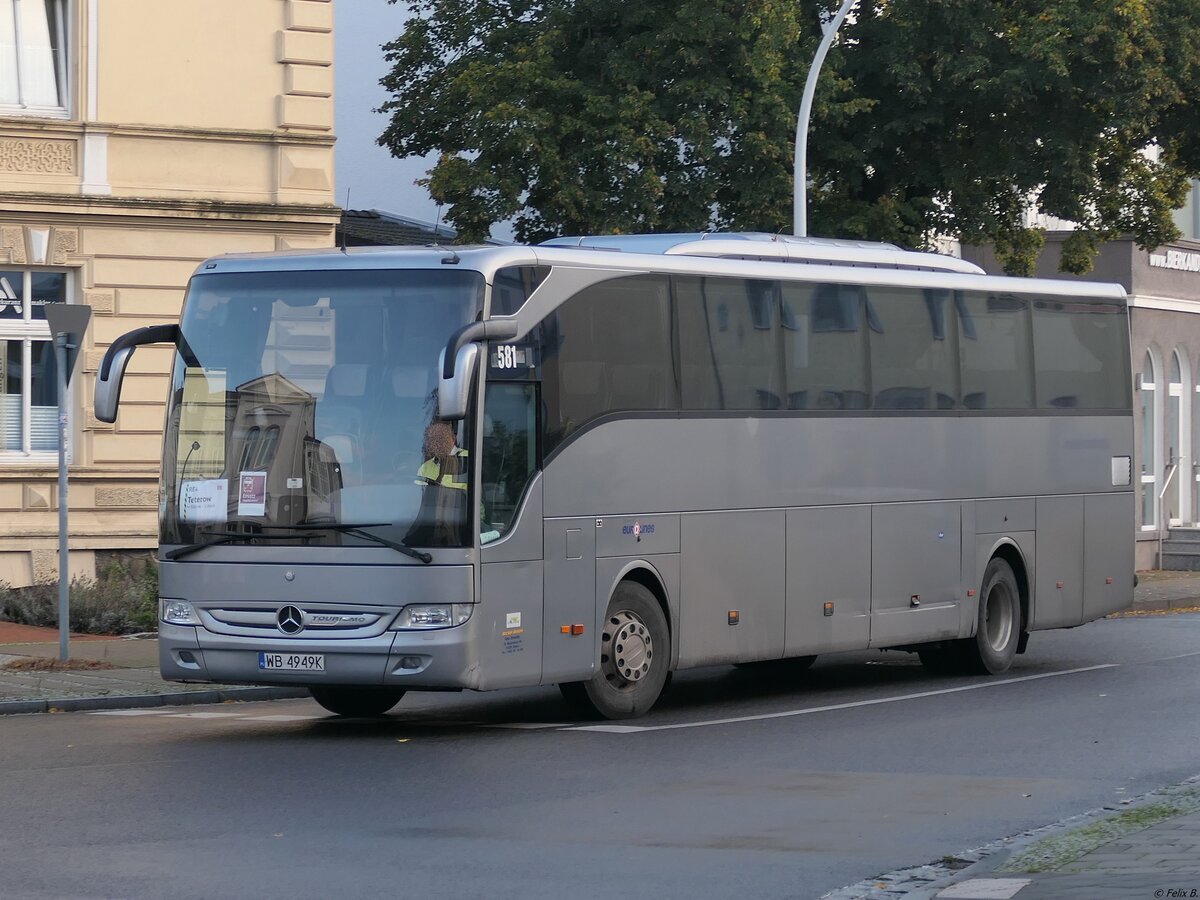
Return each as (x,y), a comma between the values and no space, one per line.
(1149,451)
(1173,444)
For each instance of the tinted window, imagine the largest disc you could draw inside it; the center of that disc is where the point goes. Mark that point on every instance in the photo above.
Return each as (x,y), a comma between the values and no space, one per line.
(912,364)
(1081,349)
(730,331)
(824,346)
(513,285)
(995,351)
(607,349)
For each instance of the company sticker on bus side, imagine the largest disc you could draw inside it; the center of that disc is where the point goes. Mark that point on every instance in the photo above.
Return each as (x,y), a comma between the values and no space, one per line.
(513,633)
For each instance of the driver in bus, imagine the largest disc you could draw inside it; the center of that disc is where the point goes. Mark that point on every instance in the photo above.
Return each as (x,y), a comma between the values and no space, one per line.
(446,464)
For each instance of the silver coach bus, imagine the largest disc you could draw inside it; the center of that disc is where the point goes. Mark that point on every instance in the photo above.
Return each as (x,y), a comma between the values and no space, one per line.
(596,461)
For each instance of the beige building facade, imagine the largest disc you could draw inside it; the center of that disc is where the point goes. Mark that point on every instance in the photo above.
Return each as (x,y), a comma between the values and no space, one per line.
(137,138)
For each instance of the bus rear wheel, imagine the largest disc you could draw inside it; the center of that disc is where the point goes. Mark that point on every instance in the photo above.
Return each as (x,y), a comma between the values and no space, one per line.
(634,657)
(998,628)
(357,702)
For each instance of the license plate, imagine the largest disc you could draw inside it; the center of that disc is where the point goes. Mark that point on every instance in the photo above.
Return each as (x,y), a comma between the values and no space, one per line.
(292,662)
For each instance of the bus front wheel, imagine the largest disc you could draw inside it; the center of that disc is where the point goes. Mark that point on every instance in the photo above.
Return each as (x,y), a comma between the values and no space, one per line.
(356,702)
(634,657)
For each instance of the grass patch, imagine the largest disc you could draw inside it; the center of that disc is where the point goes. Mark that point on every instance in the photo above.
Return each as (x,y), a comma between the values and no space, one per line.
(123,599)
(31,664)
(1054,853)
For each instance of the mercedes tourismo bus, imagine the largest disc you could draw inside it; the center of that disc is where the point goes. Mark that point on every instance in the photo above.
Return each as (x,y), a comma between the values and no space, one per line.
(593,462)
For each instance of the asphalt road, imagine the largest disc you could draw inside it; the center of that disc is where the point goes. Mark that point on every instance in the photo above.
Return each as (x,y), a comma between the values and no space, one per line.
(735,786)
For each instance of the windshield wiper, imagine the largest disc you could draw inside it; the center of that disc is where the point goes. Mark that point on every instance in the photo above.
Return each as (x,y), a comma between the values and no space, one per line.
(222,537)
(228,537)
(357,531)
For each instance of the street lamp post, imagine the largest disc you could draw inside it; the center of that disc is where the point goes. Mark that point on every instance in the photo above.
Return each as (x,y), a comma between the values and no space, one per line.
(800,178)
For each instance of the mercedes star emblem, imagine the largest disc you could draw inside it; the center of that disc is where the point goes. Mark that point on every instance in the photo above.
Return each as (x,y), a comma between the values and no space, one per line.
(291,620)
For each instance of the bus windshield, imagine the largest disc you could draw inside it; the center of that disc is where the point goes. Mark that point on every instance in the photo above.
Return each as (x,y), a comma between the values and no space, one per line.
(306,409)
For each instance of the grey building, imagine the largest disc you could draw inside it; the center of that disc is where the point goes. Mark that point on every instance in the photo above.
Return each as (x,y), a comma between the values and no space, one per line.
(1164,291)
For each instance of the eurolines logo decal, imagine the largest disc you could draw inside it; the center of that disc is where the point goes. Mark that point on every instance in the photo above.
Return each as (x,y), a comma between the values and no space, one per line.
(637,529)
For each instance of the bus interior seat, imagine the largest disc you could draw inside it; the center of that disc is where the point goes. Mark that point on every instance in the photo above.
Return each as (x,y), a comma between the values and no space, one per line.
(397,432)
(945,401)
(975,400)
(1066,401)
(342,413)
(902,398)
(767,399)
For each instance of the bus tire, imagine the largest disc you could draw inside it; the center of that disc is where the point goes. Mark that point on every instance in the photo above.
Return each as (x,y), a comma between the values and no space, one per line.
(635,653)
(998,627)
(356,702)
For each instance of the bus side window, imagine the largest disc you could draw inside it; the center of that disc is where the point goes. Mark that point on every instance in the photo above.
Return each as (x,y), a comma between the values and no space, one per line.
(509,453)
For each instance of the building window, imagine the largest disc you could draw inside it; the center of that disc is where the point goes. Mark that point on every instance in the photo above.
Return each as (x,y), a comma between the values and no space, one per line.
(1149,453)
(28,376)
(1173,443)
(33,57)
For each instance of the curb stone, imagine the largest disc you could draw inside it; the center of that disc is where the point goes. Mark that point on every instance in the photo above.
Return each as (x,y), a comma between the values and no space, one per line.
(923,881)
(145,701)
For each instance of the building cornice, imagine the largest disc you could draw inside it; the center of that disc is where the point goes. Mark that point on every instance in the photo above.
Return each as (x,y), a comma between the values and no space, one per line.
(34,127)
(1170,304)
(68,207)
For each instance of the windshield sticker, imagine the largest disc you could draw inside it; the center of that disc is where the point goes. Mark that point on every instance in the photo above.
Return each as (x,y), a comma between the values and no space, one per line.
(204,502)
(252,494)
(512,620)
(295,484)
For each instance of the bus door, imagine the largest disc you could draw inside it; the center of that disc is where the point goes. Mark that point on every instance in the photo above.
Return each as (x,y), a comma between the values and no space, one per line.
(510,500)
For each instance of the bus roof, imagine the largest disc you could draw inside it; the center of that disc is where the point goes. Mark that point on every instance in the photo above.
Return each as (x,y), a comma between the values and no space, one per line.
(745,254)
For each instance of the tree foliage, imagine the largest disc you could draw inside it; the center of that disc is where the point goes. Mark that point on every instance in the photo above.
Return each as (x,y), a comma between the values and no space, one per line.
(933,117)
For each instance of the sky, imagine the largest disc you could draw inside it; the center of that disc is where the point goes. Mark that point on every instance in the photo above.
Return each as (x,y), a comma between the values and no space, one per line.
(374,178)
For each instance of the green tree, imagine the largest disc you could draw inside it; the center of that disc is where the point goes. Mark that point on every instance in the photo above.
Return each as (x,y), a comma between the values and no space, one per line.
(933,117)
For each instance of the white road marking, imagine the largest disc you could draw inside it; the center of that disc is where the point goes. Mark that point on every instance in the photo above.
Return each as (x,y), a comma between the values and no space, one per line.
(204,715)
(631,729)
(1179,656)
(130,712)
(280,718)
(529,726)
(984,889)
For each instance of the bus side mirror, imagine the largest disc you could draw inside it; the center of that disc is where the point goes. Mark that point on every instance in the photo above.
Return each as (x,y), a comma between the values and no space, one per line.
(456,365)
(454,393)
(112,367)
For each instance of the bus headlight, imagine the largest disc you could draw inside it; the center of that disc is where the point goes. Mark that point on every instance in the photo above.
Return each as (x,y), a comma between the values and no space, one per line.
(177,612)
(439,615)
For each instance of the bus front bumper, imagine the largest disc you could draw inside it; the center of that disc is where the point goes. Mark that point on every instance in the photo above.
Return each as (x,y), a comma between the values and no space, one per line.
(435,659)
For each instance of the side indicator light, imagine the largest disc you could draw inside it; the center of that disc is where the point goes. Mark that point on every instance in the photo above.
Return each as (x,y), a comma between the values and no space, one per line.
(566,629)
(1108,580)
(970,592)
(576,630)
(734,616)
(1059,584)
(827,609)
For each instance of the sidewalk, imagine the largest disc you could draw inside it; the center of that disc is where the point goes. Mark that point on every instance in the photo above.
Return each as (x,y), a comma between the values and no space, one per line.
(1148,849)
(103,673)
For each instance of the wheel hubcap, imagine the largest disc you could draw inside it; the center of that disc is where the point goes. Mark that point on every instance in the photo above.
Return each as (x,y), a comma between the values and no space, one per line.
(628,649)
(998,620)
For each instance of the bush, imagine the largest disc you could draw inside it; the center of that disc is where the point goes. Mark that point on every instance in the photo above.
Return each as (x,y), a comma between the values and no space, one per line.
(122,600)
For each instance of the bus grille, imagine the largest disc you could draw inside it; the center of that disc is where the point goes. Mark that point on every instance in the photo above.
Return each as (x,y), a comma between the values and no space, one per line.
(318,621)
